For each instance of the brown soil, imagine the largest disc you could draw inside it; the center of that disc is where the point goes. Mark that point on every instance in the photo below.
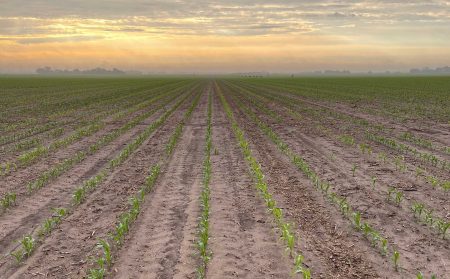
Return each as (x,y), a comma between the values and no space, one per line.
(244,242)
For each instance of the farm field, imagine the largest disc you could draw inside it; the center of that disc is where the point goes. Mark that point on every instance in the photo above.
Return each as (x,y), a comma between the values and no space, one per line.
(225,178)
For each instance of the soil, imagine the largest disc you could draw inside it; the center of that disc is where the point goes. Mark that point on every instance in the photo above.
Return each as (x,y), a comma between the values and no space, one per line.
(244,241)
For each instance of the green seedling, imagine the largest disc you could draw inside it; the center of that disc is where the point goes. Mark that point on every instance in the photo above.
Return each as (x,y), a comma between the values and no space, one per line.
(429,216)
(306,273)
(419,172)
(366,229)
(17,255)
(384,246)
(419,275)
(433,181)
(104,245)
(417,208)
(8,200)
(395,259)
(382,156)
(443,227)
(298,262)
(374,180)
(27,246)
(96,273)
(354,169)
(46,227)
(357,220)
(391,190)
(78,195)
(398,197)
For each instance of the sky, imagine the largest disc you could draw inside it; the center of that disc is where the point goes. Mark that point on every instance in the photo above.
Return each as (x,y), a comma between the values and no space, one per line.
(177,36)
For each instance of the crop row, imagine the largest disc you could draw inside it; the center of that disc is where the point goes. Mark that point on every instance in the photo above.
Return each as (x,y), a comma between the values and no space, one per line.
(90,184)
(203,226)
(396,196)
(354,216)
(365,124)
(105,260)
(347,139)
(107,106)
(68,163)
(324,187)
(287,234)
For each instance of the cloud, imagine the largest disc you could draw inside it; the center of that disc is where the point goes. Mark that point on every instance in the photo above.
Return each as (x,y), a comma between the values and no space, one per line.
(63,39)
(329,25)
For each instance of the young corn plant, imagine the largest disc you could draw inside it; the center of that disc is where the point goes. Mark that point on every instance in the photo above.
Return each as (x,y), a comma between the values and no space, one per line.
(8,200)
(357,220)
(50,223)
(395,259)
(106,249)
(418,208)
(27,246)
(354,169)
(374,180)
(442,227)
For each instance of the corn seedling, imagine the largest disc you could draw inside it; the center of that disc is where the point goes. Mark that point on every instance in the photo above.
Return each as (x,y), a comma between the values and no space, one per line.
(382,156)
(384,246)
(96,273)
(106,248)
(398,197)
(354,169)
(395,259)
(443,227)
(306,273)
(357,220)
(8,200)
(419,172)
(433,181)
(417,208)
(347,139)
(429,217)
(374,180)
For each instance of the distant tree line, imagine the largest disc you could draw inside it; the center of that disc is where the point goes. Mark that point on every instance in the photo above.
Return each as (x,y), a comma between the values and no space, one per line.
(426,70)
(97,71)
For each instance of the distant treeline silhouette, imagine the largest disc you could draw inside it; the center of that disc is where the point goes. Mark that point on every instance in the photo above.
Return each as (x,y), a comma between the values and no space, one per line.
(426,70)
(97,71)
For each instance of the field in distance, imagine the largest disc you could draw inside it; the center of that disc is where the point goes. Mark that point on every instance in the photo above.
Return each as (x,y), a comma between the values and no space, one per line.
(321,177)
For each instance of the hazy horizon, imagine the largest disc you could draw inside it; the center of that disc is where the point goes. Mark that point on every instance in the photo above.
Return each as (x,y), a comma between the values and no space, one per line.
(178,36)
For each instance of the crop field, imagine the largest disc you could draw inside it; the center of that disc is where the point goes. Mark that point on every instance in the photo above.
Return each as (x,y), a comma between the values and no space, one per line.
(345,177)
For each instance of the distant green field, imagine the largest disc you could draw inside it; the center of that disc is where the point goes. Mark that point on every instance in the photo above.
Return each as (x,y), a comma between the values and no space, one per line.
(402,97)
